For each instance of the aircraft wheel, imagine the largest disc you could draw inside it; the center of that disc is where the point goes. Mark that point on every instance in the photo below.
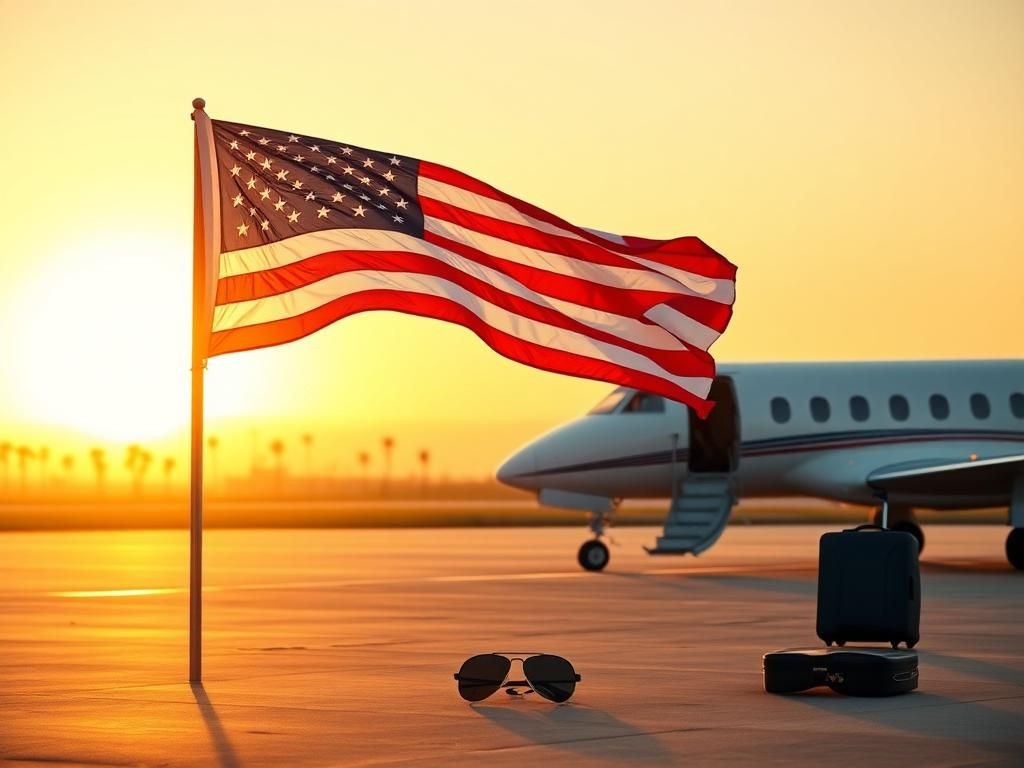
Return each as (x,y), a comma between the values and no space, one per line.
(914,530)
(1015,548)
(593,555)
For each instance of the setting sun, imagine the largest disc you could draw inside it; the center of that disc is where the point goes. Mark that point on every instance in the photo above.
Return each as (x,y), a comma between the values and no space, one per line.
(103,341)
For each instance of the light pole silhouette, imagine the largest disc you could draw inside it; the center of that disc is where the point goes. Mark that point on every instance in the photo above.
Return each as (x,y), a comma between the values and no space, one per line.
(277,448)
(388,444)
(364,462)
(424,457)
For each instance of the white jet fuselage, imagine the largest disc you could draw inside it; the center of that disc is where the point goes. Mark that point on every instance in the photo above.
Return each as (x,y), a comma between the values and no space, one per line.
(808,429)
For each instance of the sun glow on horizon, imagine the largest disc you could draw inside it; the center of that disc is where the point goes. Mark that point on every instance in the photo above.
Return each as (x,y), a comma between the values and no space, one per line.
(103,341)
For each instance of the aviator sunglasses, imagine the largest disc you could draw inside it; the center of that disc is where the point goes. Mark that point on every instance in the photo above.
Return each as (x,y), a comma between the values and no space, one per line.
(550,676)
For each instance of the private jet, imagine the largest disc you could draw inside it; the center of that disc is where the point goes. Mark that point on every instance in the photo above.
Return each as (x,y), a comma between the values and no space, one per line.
(895,435)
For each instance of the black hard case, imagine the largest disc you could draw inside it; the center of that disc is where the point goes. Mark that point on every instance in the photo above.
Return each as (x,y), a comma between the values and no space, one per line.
(869,587)
(852,671)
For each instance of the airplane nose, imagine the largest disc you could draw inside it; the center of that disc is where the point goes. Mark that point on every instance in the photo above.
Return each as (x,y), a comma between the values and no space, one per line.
(517,467)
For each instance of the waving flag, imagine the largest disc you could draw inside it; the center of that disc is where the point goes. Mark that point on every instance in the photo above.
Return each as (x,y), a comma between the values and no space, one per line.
(313,230)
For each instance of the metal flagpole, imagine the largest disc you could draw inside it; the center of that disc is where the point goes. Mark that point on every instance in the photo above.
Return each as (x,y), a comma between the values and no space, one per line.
(205,229)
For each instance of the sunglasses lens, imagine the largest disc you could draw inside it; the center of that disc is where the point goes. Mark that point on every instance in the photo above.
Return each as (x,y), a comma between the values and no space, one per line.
(551,676)
(482,675)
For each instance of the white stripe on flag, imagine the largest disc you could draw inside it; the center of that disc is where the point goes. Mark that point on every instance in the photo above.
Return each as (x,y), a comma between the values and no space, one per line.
(304,246)
(721,291)
(716,289)
(310,297)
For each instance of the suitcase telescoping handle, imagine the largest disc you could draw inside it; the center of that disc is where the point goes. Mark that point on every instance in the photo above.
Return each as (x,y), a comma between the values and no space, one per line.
(884,498)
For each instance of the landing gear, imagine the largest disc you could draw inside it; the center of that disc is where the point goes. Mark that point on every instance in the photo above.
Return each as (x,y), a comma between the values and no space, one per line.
(593,555)
(1015,548)
(901,519)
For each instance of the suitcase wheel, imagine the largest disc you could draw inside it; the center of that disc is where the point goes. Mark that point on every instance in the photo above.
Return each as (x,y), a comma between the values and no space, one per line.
(840,643)
(896,644)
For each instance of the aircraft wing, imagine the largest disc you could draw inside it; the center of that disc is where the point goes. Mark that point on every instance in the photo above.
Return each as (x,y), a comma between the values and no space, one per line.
(962,478)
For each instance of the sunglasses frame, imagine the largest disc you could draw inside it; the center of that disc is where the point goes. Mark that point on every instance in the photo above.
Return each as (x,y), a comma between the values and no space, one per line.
(510,686)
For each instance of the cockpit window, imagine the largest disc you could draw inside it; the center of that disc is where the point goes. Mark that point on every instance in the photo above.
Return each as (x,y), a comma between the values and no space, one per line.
(644,403)
(610,402)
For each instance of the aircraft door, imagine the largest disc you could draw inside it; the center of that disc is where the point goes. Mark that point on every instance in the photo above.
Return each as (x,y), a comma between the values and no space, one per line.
(714,442)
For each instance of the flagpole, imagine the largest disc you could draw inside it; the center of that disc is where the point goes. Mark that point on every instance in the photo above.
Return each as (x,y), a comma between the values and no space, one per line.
(205,259)
(195,584)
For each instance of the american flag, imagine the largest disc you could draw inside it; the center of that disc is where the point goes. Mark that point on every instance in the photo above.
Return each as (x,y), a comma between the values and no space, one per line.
(314,230)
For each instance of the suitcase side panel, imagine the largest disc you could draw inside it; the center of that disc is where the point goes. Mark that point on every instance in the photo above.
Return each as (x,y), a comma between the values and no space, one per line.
(868,587)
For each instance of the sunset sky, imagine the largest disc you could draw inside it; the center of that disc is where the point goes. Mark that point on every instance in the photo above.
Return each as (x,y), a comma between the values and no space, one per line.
(861,163)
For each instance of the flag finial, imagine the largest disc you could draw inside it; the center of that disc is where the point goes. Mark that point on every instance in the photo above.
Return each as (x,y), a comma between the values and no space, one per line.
(199,103)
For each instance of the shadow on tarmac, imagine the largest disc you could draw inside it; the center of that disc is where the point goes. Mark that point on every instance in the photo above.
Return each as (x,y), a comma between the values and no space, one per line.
(226,756)
(974,667)
(978,724)
(585,731)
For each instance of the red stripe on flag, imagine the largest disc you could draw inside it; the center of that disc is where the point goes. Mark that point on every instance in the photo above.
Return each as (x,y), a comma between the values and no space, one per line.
(633,303)
(698,256)
(256,285)
(293,328)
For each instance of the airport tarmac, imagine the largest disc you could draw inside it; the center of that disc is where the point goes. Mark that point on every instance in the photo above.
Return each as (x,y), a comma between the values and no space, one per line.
(337,647)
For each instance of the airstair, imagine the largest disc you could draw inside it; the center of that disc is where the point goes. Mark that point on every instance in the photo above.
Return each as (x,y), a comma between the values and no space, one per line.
(699,513)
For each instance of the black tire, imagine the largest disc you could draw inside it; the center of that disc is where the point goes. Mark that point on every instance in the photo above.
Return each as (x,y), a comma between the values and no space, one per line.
(840,643)
(914,530)
(1015,548)
(593,555)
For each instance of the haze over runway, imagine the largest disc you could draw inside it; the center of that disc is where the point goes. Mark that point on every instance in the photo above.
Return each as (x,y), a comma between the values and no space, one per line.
(337,647)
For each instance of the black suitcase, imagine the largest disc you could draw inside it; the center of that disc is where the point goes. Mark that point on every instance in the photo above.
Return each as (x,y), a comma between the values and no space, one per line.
(853,671)
(869,587)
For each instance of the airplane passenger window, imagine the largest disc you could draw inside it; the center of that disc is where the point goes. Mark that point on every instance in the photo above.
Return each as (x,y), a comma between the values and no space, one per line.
(859,408)
(979,406)
(780,410)
(609,403)
(645,403)
(820,410)
(899,407)
(1017,405)
(939,406)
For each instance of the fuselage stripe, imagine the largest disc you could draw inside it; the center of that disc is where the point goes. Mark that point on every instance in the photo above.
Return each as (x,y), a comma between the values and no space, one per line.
(795,444)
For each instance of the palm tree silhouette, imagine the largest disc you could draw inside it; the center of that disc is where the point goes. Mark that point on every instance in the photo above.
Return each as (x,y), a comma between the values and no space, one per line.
(132,459)
(145,458)
(277,448)
(169,463)
(364,462)
(67,463)
(307,444)
(99,465)
(44,463)
(213,442)
(24,454)
(424,457)
(5,452)
(388,444)
(137,462)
